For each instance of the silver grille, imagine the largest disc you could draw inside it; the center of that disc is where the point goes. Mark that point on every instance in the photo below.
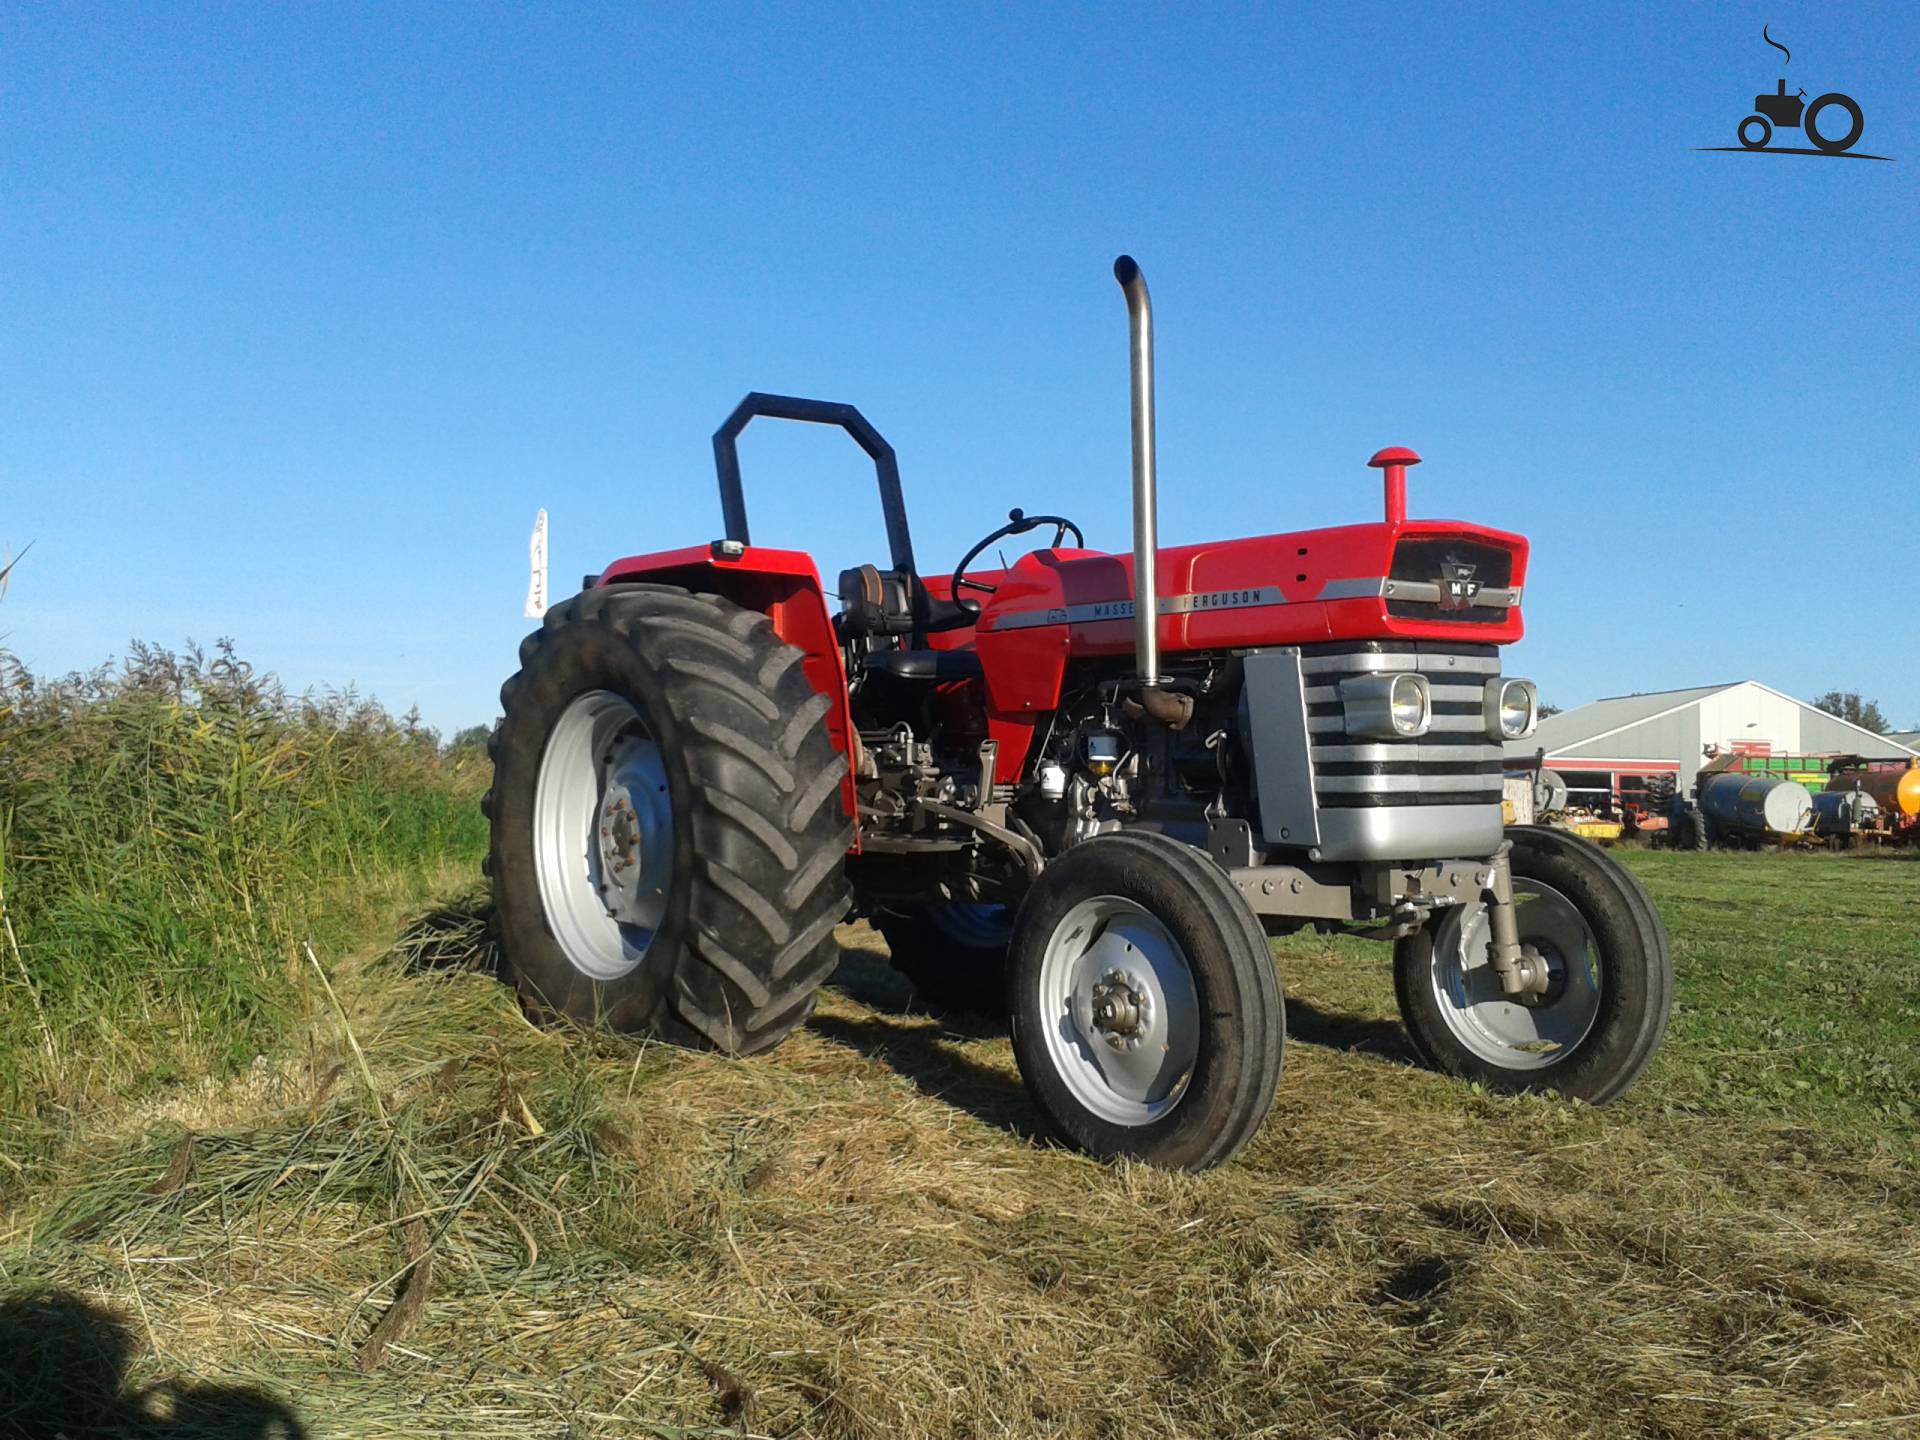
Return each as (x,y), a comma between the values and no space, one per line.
(1349,797)
(1454,763)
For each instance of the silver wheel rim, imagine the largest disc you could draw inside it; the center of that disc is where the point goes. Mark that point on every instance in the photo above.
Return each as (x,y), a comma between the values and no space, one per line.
(603,835)
(1498,1028)
(1119,1010)
(978,927)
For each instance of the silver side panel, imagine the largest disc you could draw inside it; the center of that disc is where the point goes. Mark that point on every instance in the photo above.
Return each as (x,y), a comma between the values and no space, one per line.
(1257,597)
(1273,715)
(1423,592)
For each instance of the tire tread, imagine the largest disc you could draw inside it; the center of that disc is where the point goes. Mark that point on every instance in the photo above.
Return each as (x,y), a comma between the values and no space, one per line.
(766,885)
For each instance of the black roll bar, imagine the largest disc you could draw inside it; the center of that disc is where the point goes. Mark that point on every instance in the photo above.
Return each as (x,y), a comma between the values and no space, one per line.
(726,460)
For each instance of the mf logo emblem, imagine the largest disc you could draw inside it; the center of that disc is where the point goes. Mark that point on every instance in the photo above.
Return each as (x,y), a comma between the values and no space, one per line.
(1457,585)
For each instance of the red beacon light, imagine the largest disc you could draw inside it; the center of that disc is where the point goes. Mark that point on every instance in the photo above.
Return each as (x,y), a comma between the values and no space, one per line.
(1394,460)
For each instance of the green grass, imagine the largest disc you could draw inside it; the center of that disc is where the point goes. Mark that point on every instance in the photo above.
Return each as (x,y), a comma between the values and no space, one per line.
(170,828)
(1798,991)
(1802,990)
(397,1209)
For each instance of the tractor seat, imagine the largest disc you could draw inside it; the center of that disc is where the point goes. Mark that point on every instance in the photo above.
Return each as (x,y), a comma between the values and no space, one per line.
(925,664)
(875,602)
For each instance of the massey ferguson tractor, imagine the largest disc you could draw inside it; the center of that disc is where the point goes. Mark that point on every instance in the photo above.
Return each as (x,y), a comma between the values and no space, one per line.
(1094,782)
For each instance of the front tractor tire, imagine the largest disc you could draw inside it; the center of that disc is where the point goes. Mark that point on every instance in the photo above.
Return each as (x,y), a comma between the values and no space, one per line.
(1610,970)
(668,836)
(1146,1014)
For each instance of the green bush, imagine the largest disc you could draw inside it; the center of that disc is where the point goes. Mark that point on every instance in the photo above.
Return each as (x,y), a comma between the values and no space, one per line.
(171,827)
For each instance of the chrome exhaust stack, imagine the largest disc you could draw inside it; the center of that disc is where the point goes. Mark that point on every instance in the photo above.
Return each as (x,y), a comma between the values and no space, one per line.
(1163,705)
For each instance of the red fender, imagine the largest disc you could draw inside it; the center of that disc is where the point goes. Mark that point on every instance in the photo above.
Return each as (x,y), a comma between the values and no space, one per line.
(783,585)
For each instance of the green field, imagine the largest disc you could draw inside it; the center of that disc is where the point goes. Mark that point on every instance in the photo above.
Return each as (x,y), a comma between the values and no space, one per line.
(236,1192)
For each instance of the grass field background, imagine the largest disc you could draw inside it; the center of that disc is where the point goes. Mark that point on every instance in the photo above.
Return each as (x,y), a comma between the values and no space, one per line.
(247,1192)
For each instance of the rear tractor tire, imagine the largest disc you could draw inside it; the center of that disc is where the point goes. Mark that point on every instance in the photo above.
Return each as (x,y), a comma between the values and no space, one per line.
(668,836)
(1146,1016)
(955,955)
(1611,987)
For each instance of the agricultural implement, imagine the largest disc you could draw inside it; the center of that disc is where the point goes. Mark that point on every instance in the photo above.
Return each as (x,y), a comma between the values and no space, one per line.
(1748,802)
(1534,795)
(1872,800)
(1087,785)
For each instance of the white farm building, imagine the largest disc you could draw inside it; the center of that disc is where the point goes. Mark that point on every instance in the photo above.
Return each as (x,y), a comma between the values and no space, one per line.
(1674,732)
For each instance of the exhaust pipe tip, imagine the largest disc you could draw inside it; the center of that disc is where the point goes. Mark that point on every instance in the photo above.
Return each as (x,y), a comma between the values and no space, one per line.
(1126,269)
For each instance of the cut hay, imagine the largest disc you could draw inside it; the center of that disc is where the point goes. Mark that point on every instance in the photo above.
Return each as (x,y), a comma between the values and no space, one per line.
(860,1235)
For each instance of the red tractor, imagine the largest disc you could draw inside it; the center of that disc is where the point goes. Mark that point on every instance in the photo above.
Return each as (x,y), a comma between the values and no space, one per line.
(1094,782)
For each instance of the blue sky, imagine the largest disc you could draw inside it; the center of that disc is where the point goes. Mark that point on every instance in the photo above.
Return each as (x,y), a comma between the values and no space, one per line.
(305,309)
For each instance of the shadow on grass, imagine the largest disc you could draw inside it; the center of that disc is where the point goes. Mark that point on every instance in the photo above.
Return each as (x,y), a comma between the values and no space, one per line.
(1310,1025)
(924,1053)
(920,1054)
(63,1372)
(865,976)
(458,935)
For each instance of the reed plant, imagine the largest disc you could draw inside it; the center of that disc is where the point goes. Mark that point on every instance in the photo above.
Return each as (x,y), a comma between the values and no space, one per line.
(171,827)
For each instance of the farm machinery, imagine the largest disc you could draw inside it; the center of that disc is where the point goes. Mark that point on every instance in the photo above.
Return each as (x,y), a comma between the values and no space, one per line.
(1088,784)
(1749,802)
(1871,800)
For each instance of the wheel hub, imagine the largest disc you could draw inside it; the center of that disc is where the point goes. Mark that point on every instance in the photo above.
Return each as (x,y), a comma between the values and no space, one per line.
(632,833)
(620,843)
(1122,1010)
(603,834)
(1543,976)
(1124,1017)
(1559,966)
(1536,977)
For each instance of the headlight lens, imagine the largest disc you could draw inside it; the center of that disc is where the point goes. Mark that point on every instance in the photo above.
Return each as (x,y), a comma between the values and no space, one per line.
(1512,710)
(1386,707)
(1412,705)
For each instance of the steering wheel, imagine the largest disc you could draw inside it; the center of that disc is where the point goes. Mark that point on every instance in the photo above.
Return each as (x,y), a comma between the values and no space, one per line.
(1018,523)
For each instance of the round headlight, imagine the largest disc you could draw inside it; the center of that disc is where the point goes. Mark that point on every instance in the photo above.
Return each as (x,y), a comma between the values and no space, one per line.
(1519,709)
(1410,704)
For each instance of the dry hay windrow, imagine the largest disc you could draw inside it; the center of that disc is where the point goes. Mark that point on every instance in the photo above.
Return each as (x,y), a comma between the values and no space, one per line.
(860,1236)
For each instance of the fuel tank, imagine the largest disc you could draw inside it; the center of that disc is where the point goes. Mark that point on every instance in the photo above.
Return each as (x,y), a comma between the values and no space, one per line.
(1897,791)
(1756,802)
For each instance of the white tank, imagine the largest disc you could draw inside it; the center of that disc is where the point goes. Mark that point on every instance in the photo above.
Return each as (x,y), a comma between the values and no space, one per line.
(1757,802)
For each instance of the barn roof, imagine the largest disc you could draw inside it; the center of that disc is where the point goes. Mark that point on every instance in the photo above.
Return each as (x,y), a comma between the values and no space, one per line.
(1581,728)
(1590,721)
